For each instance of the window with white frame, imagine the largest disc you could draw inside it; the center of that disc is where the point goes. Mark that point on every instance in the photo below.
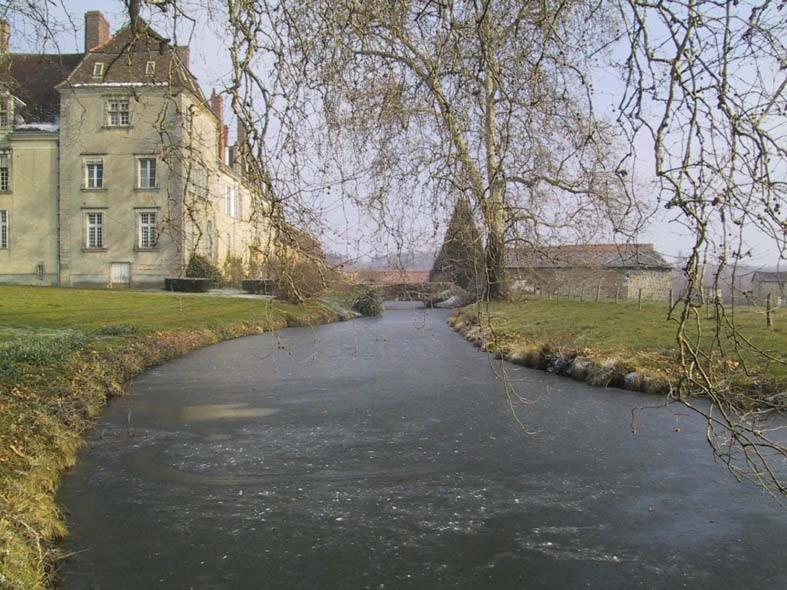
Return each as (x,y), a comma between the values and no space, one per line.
(118,112)
(5,111)
(150,68)
(146,173)
(5,170)
(98,69)
(94,173)
(94,235)
(3,230)
(147,233)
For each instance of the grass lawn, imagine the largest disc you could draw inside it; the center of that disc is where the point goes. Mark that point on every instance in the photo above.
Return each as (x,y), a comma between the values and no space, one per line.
(63,352)
(642,338)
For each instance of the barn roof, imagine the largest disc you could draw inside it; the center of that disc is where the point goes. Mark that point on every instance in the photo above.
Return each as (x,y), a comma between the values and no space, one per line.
(623,256)
(769,277)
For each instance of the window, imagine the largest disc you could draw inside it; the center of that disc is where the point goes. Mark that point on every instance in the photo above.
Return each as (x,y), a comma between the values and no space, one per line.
(150,68)
(146,173)
(40,271)
(5,112)
(5,170)
(94,238)
(94,174)
(3,230)
(147,236)
(98,70)
(118,113)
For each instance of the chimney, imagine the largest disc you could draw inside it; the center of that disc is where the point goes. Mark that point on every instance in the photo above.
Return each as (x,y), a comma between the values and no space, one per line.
(184,55)
(225,142)
(5,35)
(96,30)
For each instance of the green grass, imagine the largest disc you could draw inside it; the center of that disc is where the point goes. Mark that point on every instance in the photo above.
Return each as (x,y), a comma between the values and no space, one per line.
(83,309)
(63,352)
(644,338)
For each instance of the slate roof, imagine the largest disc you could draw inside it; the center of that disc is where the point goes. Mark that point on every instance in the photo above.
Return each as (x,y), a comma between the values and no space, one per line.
(33,78)
(125,57)
(622,256)
(769,277)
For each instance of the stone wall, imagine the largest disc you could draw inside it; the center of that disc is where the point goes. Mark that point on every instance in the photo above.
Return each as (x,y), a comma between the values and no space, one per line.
(611,283)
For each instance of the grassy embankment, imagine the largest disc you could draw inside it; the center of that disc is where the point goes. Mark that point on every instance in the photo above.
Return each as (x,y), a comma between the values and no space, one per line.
(63,352)
(612,340)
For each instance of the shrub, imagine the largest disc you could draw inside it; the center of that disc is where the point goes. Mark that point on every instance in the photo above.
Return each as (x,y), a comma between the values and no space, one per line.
(233,270)
(298,278)
(368,304)
(199,267)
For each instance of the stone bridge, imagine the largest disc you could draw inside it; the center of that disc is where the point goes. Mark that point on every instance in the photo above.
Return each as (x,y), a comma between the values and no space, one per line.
(424,292)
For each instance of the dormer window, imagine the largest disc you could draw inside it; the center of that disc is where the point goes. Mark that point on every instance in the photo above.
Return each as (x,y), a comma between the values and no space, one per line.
(98,70)
(150,68)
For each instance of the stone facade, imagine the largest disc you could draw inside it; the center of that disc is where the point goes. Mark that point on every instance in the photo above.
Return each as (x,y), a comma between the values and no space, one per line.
(612,270)
(120,168)
(765,283)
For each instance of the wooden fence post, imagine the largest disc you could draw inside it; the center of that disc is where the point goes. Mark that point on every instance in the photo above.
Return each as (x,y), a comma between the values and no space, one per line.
(598,293)
(639,298)
(671,304)
(768,311)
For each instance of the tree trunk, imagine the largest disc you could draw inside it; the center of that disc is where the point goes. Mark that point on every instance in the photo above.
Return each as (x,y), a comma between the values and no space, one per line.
(495,255)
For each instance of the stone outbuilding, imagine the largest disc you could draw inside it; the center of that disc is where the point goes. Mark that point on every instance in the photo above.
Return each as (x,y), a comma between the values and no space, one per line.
(615,270)
(773,283)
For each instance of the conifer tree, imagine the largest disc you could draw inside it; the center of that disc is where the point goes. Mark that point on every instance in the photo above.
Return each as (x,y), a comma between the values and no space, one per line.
(461,257)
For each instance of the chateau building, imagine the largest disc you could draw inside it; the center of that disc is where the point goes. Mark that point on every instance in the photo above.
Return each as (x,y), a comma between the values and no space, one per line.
(115,168)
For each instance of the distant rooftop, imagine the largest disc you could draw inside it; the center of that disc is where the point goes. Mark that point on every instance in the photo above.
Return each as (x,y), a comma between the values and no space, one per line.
(769,277)
(639,256)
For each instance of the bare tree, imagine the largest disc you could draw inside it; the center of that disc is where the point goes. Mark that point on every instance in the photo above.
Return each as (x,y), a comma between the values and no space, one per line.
(488,99)
(705,84)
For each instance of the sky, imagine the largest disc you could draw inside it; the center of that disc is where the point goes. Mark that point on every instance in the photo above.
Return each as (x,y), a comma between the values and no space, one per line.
(210,63)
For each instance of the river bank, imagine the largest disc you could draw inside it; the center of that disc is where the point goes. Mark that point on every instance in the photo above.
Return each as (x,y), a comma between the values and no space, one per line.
(616,345)
(63,354)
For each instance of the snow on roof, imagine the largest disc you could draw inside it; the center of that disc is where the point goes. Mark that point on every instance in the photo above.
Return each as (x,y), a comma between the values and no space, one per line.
(50,127)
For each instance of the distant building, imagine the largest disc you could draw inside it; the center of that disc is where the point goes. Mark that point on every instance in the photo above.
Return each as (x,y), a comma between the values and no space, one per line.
(115,168)
(386,277)
(616,270)
(765,283)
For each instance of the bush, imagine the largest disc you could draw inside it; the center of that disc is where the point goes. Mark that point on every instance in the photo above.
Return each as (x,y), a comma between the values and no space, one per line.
(200,285)
(233,270)
(199,267)
(368,304)
(298,278)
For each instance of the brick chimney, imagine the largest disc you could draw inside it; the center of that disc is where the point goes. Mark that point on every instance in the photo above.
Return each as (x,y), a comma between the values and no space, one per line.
(225,142)
(96,30)
(5,35)
(184,55)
